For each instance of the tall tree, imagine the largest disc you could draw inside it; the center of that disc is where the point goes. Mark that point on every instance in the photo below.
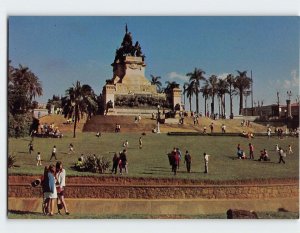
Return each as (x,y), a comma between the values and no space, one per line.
(196,76)
(230,80)
(242,83)
(190,91)
(76,102)
(23,87)
(212,83)
(185,86)
(205,93)
(155,81)
(222,87)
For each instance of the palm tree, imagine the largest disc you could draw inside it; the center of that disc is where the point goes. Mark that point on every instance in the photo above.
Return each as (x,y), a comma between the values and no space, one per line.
(155,81)
(77,101)
(242,83)
(212,82)
(222,87)
(205,93)
(190,91)
(196,76)
(230,80)
(185,86)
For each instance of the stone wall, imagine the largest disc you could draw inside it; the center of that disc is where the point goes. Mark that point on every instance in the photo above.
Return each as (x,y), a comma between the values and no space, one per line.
(165,191)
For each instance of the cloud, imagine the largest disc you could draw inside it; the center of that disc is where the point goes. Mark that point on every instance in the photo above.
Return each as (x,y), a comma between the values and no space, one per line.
(222,76)
(176,76)
(293,81)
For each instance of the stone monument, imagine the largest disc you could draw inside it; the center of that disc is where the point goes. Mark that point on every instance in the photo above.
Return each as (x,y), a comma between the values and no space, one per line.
(129,91)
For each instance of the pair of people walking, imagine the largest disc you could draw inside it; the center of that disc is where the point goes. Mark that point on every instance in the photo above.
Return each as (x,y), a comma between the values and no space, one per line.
(53,184)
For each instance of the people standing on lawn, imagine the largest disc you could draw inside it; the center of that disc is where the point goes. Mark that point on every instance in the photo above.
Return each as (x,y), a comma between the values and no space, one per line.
(53,154)
(188,161)
(206,157)
(175,160)
(61,183)
(50,193)
(179,157)
(115,161)
(277,148)
(30,147)
(123,162)
(38,159)
(281,154)
(251,151)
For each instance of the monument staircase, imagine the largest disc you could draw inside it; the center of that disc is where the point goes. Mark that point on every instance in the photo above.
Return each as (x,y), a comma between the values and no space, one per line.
(128,124)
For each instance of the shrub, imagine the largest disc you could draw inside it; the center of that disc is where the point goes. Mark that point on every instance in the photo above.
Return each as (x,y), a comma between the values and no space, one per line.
(11,160)
(96,164)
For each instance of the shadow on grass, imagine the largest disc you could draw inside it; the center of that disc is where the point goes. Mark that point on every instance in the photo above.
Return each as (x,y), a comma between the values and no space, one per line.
(22,212)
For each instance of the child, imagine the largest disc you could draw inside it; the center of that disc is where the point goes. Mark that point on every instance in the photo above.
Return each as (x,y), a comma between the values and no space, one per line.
(290,149)
(38,159)
(277,148)
(71,148)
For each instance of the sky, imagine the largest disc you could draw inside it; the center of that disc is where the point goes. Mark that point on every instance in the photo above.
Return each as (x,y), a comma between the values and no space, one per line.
(61,50)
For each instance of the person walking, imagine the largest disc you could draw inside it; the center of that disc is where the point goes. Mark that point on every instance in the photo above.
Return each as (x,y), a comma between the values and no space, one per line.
(188,161)
(115,161)
(282,154)
(290,149)
(61,183)
(30,147)
(71,148)
(251,151)
(124,163)
(140,143)
(53,153)
(206,156)
(38,159)
(211,127)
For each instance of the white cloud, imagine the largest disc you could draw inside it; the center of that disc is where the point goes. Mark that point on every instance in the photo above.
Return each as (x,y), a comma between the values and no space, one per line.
(222,76)
(176,76)
(293,82)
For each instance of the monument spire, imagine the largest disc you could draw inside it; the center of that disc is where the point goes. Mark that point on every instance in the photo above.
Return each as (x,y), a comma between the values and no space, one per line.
(126,28)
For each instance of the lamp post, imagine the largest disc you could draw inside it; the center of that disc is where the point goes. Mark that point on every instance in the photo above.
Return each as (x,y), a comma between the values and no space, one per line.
(158,119)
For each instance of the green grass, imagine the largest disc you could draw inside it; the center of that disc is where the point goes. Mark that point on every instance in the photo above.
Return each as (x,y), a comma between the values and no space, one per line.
(261,215)
(152,161)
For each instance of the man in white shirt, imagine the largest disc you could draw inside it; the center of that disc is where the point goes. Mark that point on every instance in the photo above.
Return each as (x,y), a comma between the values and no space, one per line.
(206,156)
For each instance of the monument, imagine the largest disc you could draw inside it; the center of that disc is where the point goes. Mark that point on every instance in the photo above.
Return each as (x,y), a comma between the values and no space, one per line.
(129,91)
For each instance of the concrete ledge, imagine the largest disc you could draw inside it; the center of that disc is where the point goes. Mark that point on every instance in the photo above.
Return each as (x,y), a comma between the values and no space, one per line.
(158,206)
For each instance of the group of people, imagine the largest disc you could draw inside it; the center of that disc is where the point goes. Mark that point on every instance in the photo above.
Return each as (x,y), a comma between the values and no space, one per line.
(264,156)
(120,161)
(48,130)
(175,157)
(117,128)
(53,184)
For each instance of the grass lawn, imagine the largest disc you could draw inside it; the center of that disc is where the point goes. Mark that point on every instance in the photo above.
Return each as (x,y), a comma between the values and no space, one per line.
(152,161)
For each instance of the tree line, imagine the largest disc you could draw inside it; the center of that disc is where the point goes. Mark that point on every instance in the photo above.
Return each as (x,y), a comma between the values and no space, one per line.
(24,86)
(210,87)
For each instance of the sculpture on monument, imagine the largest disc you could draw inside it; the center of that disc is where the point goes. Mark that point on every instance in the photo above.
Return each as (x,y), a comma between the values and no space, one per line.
(129,89)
